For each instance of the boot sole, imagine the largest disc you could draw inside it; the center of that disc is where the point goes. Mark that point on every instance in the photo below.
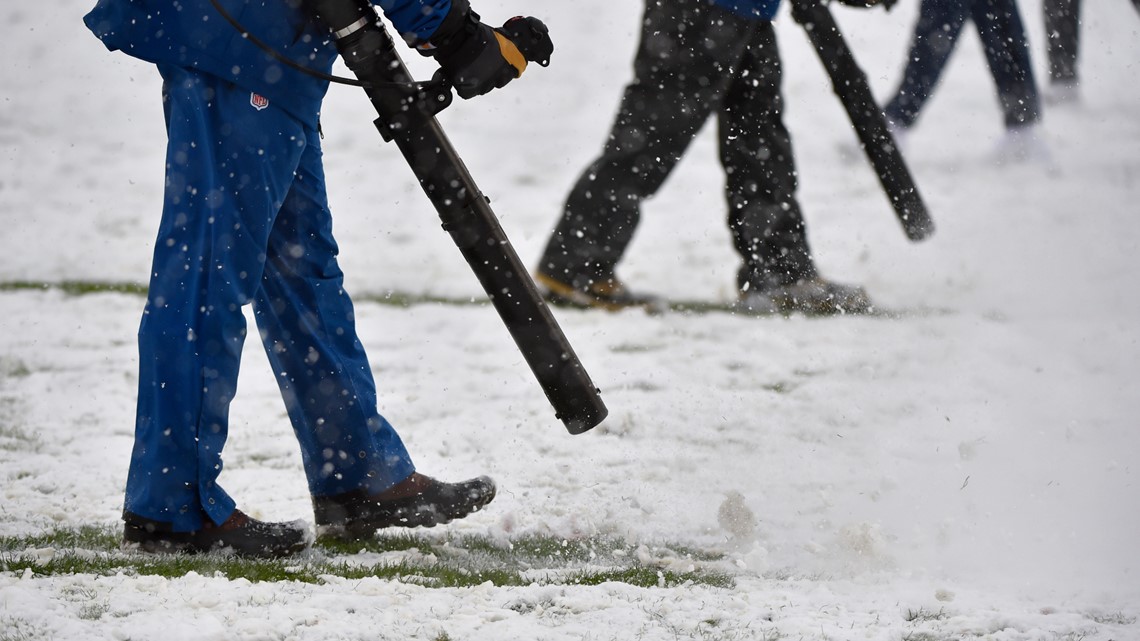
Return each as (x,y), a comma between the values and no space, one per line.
(360,529)
(139,540)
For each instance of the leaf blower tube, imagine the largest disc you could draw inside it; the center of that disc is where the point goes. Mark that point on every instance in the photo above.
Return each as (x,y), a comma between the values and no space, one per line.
(407,116)
(850,85)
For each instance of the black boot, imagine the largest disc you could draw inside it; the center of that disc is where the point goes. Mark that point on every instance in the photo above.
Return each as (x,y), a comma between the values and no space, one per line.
(417,501)
(812,296)
(240,534)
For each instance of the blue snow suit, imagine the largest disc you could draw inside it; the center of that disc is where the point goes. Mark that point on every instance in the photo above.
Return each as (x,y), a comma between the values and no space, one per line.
(192,34)
(246,220)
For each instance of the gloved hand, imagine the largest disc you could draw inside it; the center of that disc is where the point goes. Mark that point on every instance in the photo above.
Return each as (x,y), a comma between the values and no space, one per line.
(887,4)
(475,58)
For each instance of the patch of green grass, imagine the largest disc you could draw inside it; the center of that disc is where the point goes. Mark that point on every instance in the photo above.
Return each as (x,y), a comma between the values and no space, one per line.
(1075,635)
(1111,618)
(401,541)
(75,287)
(14,368)
(634,348)
(707,556)
(15,439)
(922,614)
(82,287)
(449,561)
(779,387)
(646,577)
(87,537)
(407,299)
(94,611)
(536,550)
(13,629)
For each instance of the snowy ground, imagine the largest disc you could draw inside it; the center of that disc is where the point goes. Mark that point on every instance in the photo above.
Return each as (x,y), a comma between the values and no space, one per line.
(975,461)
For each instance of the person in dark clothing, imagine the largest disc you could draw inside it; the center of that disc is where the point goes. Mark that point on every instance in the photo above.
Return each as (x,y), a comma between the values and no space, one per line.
(696,59)
(1002,33)
(246,221)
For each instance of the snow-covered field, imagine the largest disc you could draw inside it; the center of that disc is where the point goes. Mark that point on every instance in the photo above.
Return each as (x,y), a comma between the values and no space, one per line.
(964,470)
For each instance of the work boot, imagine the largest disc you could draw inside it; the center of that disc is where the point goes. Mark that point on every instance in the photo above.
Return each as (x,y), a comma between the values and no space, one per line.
(414,502)
(813,296)
(240,534)
(609,294)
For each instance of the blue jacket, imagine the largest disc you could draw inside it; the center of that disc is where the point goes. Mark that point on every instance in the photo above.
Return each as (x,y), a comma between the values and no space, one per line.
(191,33)
(757,9)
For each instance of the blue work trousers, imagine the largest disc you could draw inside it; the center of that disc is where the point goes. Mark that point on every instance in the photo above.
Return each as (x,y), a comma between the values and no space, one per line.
(1003,38)
(246,221)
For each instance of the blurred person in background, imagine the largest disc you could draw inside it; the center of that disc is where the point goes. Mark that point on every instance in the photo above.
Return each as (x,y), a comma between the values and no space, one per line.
(697,59)
(999,24)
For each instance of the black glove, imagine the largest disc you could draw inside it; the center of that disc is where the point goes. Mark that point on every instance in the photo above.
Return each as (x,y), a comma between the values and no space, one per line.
(866,4)
(475,58)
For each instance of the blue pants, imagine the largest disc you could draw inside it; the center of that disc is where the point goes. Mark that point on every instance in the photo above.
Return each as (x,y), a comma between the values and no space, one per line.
(1003,38)
(246,221)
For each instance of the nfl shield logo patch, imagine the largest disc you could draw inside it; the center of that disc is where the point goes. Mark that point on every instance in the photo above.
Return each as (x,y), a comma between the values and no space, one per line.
(258,101)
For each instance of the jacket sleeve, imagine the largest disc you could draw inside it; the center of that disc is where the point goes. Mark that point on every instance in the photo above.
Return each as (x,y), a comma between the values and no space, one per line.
(753,9)
(415,20)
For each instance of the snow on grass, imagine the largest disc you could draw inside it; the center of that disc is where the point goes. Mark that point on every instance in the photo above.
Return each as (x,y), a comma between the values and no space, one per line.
(963,469)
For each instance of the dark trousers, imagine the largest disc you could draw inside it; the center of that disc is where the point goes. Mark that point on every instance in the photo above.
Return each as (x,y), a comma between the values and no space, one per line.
(1003,38)
(694,60)
(1062,30)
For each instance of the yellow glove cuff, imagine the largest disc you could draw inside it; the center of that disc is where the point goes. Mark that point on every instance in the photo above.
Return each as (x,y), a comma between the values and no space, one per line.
(511,53)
